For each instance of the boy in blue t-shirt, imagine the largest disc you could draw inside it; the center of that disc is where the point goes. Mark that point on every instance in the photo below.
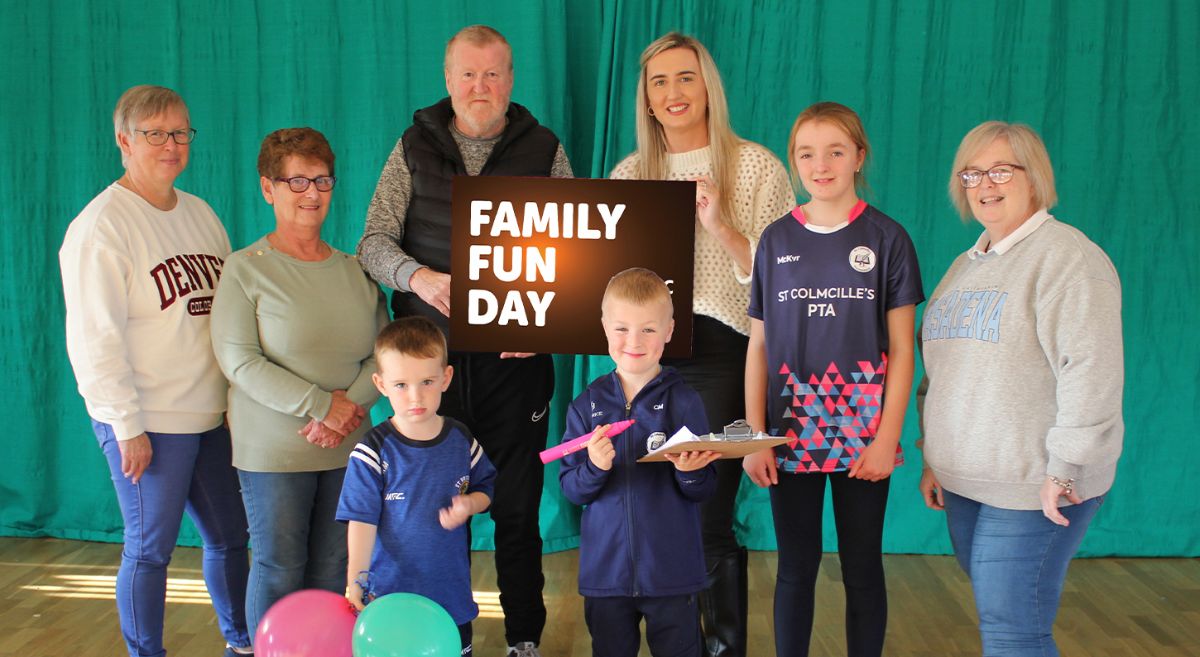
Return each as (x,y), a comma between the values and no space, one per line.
(640,551)
(413,482)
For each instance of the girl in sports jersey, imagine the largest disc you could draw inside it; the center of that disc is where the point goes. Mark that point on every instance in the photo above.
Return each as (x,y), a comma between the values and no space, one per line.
(830,365)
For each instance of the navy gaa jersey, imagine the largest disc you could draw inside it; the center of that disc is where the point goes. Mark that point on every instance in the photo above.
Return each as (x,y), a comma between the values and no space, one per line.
(399,485)
(823,299)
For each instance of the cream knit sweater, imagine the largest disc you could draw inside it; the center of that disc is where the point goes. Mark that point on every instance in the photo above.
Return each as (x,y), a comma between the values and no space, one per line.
(761,195)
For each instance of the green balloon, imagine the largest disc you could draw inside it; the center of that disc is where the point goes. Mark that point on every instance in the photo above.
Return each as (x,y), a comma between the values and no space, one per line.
(405,625)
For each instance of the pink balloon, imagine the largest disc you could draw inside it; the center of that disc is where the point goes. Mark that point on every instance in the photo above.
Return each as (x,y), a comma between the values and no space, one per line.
(307,623)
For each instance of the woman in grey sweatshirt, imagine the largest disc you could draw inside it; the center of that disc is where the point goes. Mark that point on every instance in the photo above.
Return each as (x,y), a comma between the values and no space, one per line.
(1021,405)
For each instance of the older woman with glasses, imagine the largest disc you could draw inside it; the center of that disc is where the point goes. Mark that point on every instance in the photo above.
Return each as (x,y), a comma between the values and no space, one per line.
(294,325)
(139,266)
(1021,404)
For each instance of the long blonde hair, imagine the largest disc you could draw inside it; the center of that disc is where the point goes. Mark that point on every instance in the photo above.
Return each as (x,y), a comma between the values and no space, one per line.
(722,141)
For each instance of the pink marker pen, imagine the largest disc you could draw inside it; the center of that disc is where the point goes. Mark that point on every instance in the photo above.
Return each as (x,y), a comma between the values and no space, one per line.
(576,444)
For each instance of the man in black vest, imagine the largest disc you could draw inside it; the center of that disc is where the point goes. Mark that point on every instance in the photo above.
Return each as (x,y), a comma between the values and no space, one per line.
(502,397)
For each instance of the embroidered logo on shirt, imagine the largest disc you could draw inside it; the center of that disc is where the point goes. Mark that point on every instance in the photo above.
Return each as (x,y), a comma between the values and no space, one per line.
(862,259)
(659,406)
(394,497)
(538,415)
(785,259)
(463,483)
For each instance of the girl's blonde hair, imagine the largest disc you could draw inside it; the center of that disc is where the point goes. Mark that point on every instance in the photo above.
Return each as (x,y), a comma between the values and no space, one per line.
(848,122)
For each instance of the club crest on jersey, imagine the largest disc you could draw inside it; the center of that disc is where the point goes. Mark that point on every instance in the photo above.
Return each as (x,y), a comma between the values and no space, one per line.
(655,440)
(862,259)
(462,484)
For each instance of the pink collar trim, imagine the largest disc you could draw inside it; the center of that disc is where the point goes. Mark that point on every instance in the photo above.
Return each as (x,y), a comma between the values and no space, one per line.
(855,212)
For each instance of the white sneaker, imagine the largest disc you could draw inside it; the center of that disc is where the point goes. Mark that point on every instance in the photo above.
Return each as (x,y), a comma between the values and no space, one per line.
(523,649)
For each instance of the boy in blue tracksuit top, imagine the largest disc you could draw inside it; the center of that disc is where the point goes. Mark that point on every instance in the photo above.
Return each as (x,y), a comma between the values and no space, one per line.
(640,552)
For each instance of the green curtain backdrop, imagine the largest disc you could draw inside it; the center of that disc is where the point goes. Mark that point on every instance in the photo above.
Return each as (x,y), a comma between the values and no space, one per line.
(1112,86)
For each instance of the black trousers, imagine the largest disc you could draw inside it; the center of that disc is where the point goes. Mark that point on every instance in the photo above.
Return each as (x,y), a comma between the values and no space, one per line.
(672,625)
(505,403)
(466,635)
(797,503)
(717,371)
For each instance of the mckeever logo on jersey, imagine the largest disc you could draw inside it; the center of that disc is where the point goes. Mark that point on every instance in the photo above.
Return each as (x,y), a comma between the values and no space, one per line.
(972,314)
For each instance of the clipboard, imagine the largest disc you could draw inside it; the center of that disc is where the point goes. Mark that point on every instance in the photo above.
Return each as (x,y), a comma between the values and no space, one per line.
(735,442)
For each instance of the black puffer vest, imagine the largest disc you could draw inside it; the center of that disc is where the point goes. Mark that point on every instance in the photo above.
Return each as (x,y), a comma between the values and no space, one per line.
(526,149)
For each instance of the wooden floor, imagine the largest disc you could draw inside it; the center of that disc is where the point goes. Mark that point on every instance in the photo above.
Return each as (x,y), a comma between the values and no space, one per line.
(56,599)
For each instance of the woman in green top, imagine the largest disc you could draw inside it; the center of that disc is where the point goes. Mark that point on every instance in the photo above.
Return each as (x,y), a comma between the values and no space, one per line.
(293,326)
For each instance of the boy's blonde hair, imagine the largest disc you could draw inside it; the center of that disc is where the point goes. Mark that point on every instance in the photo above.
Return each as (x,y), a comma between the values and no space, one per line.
(414,336)
(639,286)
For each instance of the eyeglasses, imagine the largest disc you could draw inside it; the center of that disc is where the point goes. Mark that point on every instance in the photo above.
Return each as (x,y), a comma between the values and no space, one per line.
(999,174)
(159,137)
(299,183)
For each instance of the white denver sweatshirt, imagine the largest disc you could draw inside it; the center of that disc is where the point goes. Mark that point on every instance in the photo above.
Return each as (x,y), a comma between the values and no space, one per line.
(139,284)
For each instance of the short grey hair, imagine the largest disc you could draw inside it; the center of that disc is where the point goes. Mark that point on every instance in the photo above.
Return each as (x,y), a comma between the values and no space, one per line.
(1028,149)
(478,36)
(141,102)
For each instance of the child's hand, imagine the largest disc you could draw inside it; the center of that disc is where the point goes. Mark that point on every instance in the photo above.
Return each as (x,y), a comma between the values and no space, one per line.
(354,595)
(874,463)
(760,466)
(689,461)
(600,449)
(459,511)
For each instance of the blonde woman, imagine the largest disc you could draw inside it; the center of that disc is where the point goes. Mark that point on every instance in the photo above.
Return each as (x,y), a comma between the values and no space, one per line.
(683,133)
(1022,458)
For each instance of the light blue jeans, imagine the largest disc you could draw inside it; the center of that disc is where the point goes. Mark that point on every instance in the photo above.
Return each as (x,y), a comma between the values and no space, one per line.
(1017,562)
(189,472)
(296,543)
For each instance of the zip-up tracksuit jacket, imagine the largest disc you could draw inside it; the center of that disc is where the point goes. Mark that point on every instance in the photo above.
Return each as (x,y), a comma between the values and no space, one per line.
(641,521)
